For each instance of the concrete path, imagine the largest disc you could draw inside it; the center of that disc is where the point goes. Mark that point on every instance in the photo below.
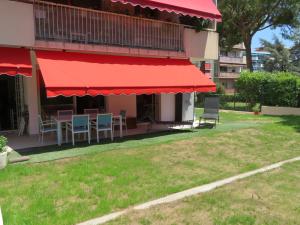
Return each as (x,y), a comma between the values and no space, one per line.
(187,193)
(1,221)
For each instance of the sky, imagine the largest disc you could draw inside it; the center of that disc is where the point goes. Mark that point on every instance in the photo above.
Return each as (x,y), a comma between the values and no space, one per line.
(268,35)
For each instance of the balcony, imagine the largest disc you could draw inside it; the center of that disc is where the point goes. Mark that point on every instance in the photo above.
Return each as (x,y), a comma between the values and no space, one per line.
(233,60)
(227,75)
(68,24)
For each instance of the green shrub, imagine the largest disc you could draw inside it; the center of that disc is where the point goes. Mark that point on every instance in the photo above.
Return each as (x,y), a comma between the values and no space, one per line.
(272,89)
(3,142)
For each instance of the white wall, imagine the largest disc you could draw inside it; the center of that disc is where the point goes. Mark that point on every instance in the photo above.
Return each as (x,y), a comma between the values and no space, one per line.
(115,103)
(203,45)
(16,23)
(187,106)
(280,111)
(32,99)
(167,107)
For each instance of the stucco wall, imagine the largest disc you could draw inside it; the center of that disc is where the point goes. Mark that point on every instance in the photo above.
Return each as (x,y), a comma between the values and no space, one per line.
(187,106)
(115,103)
(201,45)
(280,111)
(167,107)
(16,23)
(31,99)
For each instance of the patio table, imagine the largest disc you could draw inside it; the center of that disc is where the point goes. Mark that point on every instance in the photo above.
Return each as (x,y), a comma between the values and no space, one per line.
(69,119)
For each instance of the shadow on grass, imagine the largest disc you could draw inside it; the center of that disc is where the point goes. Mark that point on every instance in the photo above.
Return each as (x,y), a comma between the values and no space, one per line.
(291,121)
(103,142)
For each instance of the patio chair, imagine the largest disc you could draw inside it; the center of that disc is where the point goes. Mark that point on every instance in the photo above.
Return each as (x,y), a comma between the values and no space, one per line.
(64,114)
(92,112)
(80,125)
(103,123)
(123,117)
(46,126)
(211,110)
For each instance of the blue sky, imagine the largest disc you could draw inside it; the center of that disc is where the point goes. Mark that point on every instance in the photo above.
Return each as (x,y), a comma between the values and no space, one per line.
(268,34)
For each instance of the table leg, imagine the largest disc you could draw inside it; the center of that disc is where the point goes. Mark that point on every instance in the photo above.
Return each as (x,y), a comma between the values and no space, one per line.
(59,134)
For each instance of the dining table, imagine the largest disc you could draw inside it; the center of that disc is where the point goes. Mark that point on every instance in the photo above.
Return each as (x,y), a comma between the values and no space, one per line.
(68,119)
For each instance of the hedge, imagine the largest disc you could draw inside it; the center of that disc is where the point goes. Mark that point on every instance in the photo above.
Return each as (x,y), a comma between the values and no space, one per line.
(272,89)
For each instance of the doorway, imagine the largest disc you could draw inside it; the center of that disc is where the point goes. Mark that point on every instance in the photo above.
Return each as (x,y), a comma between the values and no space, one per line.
(178,107)
(146,108)
(8,109)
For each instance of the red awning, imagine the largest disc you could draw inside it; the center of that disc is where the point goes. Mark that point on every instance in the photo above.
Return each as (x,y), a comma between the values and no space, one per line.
(200,8)
(15,61)
(78,74)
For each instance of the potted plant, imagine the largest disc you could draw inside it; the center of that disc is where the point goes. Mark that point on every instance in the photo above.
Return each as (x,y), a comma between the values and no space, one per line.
(3,152)
(256,109)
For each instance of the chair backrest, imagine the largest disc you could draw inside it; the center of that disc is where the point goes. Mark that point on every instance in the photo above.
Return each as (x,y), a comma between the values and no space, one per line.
(104,120)
(64,114)
(123,114)
(80,122)
(211,105)
(92,112)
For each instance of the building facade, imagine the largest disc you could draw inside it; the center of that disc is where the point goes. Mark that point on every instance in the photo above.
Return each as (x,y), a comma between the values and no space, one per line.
(231,65)
(258,58)
(67,41)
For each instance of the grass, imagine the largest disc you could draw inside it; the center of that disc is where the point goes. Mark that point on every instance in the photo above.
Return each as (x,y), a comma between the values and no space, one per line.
(271,199)
(95,180)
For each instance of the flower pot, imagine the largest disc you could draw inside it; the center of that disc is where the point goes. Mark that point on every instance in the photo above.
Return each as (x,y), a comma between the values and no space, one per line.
(3,160)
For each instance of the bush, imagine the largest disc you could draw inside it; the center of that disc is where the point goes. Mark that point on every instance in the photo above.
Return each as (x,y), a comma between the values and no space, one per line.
(272,89)
(3,142)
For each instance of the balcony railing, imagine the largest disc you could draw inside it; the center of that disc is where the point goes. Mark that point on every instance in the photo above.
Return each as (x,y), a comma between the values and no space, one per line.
(56,22)
(232,60)
(229,75)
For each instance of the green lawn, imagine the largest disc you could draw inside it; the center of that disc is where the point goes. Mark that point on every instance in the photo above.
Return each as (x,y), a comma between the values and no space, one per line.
(98,179)
(270,199)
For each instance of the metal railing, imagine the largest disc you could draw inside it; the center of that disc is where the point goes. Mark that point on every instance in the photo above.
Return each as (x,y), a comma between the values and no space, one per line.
(229,59)
(229,75)
(56,22)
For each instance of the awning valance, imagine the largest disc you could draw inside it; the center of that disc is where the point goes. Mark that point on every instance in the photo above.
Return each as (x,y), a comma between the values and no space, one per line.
(200,8)
(15,61)
(78,74)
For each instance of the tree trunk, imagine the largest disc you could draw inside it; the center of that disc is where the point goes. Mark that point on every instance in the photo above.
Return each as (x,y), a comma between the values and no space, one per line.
(247,41)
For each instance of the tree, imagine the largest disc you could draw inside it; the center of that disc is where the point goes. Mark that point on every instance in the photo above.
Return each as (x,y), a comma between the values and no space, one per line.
(295,50)
(280,56)
(242,19)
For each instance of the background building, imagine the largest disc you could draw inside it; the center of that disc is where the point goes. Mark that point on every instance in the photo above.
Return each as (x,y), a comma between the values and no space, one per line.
(231,65)
(258,58)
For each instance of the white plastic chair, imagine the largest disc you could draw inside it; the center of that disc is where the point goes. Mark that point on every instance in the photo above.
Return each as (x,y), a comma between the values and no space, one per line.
(92,112)
(103,123)
(80,125)
(46,126)
(64,114)
(123,117)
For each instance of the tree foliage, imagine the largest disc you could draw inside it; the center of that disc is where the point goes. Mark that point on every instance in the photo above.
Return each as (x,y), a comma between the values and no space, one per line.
(281,58)
(243,19)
